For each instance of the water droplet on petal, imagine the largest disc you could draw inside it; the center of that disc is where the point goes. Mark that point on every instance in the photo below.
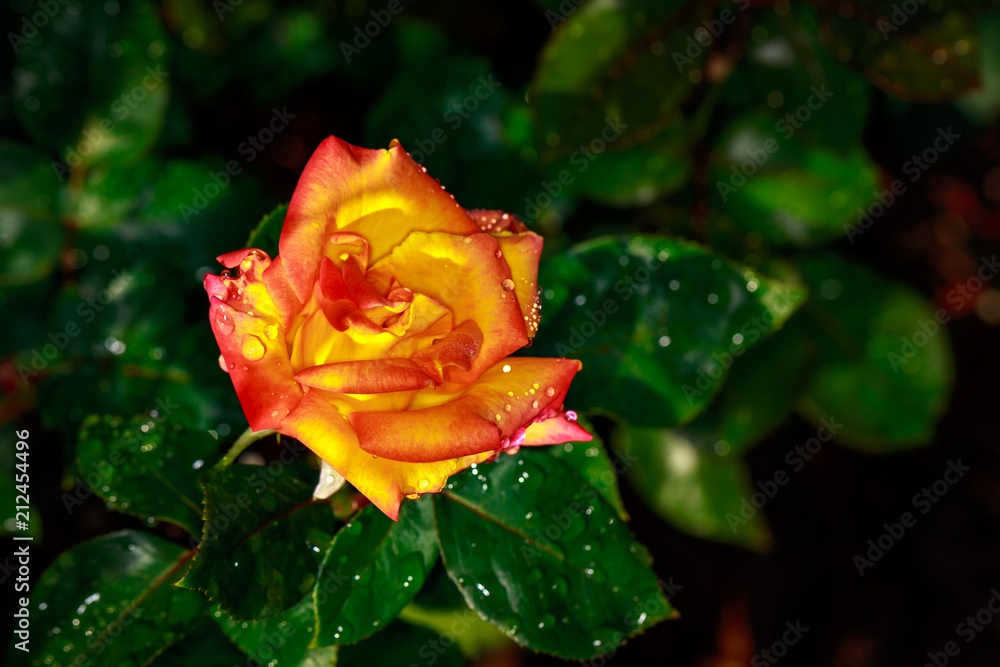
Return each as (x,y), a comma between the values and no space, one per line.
(507,285)
(467,240)
(222,363)
(506,368)
(253,348)
(271,331)
(224,322)
(549,391)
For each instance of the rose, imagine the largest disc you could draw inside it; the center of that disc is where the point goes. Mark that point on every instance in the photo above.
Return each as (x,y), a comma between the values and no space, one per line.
(380,334)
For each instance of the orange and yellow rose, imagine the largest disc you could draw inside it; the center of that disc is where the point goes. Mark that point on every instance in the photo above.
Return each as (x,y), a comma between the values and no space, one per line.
(380,335)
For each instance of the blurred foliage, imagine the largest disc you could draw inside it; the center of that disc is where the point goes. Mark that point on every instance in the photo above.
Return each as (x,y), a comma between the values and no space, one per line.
(704,175)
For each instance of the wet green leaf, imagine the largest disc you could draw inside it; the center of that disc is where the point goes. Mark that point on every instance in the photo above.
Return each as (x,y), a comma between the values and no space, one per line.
(282,640)
(884,363)
(373,569)
(582,584)
(700,492)
(147,466)
(656,323)
(262,541)
(592,461)
(110,601)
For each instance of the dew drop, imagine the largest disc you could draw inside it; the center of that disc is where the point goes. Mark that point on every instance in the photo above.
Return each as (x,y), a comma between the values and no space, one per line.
(467,240)
(224,322)
(506,368)
(222,363)
(271,331)
(549,391)
(498,254)
(507,285)
(253,348)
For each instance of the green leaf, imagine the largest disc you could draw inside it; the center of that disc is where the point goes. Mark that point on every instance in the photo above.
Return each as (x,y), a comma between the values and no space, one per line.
(591,460)
(402,644)
(699,492)
(206,645)
(262,541)
(539,553)
(94,85)
(145,466)
(607,95)
(111,600)
(282,640)
(742,414)
(110,195)
(786,64)
(266,234)
(789,190)
(884,364)
(373,569)
(895,48)
(655,322)
(31,237)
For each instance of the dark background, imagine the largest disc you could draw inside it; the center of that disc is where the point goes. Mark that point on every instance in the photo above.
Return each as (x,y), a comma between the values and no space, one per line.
(733,602)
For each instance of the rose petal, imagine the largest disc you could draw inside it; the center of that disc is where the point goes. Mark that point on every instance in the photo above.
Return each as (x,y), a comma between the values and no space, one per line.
(522,252)
(465,274)
(555,431)
(383,481)
(457,349)
(496,221)
(381,195)
(251,335)
(365,377)
(506,398)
